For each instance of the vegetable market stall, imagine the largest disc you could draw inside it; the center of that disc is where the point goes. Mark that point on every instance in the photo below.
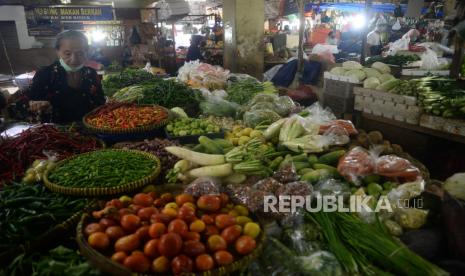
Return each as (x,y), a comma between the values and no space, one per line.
(228,142)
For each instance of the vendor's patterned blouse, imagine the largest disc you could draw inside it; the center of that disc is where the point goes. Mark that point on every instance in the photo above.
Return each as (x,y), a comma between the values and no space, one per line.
(69,104)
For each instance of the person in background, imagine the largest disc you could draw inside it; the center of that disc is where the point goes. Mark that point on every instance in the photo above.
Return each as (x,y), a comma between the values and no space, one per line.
(66,89)
(193,52)
(331,39)
(413,34)
(374,42)
(287,29)
(398,11)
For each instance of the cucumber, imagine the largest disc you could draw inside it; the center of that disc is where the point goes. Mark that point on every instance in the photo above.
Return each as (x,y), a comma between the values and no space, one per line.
(209,145)
(223,143)
(287,160)
(301,165)
(199,148)
(300,158)
(276,162)
(304,171)
(312,159)
(331,158)
(316,175)
(329,168)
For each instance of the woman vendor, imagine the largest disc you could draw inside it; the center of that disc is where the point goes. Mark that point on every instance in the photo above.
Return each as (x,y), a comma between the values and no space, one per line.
(66,89)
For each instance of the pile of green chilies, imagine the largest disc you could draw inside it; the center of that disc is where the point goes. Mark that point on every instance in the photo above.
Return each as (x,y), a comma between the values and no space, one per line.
(99,169)
(28,211)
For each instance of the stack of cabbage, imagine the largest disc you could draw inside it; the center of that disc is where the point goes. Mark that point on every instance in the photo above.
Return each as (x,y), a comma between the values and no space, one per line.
(377,77)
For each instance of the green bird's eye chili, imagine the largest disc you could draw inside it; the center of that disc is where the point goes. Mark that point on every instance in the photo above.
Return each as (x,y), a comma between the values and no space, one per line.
(107,168)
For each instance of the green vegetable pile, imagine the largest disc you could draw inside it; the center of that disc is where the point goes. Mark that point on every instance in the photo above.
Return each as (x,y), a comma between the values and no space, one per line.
(167,93)
(191,126)
(106,168)
(57,262)
(28,211)
(443,98)
(114,82)
(398,60)
(243,91)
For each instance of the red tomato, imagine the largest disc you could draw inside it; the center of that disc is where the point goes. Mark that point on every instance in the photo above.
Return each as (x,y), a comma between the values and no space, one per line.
(223,257)
(222,221)
(92,228)
(216,242)
(114,232)
(107,222)
(208,219)
(181,264)
(159,202)
(130,223)
(153,195)
(192,236)
(211,230)
(119,257)
(193,248)
(163,218)
(125,211)
(183,198)
(224,198)
(115,203)
(151,248)
(137,262)
(186,213)
(245,244)
(135,208)
(157,229)
(178,226)
(99,241)
(204,262)
(170,245)
(142,199)
(167,197)
(127,243)
(209,203)
(231,233)
(143,233)
(147,212)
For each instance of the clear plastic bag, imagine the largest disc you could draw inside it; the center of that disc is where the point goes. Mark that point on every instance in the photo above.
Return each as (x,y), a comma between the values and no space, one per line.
(347,125)
(297,188)
(337,135)
(398,45)
(204,186)
(217,106)
(429,60)
(255,117)
(357,163)
(286,174)
(331,187)
(396,167)
(284,105)
(268,184)
(318,114)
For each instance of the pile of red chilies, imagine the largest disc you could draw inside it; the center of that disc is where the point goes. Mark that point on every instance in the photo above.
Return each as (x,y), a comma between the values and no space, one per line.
(18,153)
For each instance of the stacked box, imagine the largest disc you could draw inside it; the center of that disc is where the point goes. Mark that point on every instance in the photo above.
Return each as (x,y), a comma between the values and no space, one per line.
(391,106)
(453,126)
(338,93)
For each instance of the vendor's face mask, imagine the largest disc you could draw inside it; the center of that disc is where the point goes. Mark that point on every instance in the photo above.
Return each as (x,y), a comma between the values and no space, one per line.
(69,68)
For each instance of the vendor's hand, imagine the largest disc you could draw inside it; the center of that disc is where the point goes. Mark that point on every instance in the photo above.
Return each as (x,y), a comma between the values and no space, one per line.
(39,106)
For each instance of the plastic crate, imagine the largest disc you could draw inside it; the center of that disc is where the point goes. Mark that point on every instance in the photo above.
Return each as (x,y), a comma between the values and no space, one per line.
(339,88)
(338,104)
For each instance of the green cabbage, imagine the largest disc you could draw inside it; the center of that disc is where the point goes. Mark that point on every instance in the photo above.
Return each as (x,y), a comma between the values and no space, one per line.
(385,77)
(339,71)
(255,117)
(371,83)
(357,74)
(383,68)
(351,65)
(370,72)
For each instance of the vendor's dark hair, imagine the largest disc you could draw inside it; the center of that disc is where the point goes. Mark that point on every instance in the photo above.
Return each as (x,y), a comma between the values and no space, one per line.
(69,34)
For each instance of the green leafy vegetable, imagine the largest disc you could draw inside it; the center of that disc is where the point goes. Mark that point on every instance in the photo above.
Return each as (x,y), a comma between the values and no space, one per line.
(114,82)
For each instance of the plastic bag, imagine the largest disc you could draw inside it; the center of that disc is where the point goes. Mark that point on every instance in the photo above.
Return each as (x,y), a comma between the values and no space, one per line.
(284,105)
(337,135)
(286,174)
(318,115)
(204,186)
(348,126)
(269,184)
(217,106)
(358,162)
(37,170)
(429,60)
(398,45)
(252,198)
(256,117)
(394,166)
(331,187)
(405,192)
(297,188)
(396,25)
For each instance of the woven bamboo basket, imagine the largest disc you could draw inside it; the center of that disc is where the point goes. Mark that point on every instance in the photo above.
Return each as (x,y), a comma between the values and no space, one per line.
(106,265)
(115,190)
